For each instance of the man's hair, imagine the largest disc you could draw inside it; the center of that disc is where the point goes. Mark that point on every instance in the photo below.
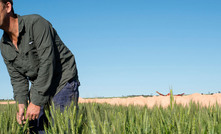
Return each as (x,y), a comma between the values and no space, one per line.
(11,1)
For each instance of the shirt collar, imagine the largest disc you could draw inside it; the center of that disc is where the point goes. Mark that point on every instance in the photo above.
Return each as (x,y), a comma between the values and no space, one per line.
(21,27)
(21,24)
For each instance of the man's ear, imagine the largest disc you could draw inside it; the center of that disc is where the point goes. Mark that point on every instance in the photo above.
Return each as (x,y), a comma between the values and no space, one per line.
(8,7)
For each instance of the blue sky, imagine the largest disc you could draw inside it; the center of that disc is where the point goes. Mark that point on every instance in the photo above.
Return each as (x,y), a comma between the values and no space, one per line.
(128,47)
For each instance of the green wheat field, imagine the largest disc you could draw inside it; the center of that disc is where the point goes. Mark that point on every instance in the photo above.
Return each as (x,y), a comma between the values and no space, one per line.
(92,118)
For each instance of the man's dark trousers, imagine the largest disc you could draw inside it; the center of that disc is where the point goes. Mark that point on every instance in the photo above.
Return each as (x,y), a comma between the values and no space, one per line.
(64,98)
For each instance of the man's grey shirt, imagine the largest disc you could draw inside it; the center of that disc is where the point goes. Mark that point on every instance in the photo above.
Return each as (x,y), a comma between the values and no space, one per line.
(41,57)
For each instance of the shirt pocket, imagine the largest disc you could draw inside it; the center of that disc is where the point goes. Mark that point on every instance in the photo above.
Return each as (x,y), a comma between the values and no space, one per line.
(8,53)
(13,59)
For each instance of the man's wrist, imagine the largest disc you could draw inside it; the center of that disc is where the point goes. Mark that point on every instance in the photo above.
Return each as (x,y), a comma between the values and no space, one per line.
(21,101)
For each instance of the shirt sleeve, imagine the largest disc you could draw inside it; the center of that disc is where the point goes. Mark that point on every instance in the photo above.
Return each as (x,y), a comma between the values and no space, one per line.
(20,84)
(43,41)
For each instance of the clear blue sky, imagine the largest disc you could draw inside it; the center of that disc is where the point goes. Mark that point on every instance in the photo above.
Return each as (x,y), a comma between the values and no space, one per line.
(132,47)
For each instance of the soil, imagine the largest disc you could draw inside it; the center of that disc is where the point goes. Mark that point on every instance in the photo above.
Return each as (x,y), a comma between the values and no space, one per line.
(6,102)
(164,101)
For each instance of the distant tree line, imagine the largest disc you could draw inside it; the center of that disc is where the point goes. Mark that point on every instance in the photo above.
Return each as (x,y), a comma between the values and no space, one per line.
(6,99)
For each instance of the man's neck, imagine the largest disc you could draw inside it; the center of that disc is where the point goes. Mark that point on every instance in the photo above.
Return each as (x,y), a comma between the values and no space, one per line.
(12,29)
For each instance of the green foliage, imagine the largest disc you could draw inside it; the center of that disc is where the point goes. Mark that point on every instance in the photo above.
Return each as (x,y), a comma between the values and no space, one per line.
(95,118)
(8,123)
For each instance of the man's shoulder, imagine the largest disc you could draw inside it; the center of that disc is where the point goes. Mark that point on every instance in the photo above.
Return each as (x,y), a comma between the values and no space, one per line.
(32,18)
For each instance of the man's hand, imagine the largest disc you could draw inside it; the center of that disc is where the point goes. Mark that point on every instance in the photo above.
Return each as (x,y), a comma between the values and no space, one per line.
(20,113)
(33,111)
